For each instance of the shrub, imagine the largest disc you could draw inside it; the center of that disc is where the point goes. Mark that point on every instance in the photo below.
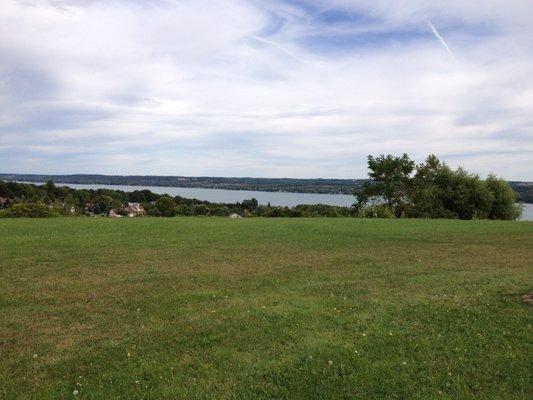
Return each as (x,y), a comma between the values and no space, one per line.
(28,210)
(504,200)
(376,211)
(166,206)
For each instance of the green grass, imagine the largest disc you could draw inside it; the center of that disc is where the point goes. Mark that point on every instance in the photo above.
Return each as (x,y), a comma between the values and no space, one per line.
(196,308)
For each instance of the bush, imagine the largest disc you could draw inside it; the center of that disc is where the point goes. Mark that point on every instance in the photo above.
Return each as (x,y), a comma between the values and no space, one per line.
(201,209)
(376,211)
(28,210)
(122,211)
(504,200)
(166,206)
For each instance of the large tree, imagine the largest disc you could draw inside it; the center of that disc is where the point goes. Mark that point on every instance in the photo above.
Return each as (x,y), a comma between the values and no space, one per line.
(504,203)
(434,191)
(389,180)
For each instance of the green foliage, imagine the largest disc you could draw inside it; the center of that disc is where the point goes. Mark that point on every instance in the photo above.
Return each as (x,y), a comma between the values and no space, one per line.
(220,211)
(28,210)
(434,191)
(504,200)
(103,203)
(122,211)
(376,211)
(390,178)
(166,206)
(250,205)
(202,209)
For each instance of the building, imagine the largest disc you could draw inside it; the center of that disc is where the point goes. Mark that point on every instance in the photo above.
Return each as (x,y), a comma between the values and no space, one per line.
(113,214)
(135,209)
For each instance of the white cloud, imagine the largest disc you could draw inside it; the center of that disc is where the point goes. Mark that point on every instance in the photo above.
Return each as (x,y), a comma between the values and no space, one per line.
(257,88)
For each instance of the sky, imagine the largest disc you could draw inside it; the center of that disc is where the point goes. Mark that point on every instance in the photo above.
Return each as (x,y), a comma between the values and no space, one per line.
(264,88)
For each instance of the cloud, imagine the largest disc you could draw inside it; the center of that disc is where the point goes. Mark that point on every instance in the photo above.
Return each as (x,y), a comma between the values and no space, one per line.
(263,88)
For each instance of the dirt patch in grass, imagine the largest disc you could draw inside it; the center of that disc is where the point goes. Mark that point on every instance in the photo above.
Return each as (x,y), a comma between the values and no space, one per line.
(528,298)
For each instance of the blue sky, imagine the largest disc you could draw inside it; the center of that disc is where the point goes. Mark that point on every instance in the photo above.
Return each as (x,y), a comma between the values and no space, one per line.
(271,88)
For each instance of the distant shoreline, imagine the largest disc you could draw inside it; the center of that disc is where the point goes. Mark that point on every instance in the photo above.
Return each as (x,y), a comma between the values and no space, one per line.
(288,185)
(272,185)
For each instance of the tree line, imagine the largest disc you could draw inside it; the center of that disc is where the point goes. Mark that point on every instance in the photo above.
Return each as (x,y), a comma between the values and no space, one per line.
(325,186)
(399,188)
(30,200)
(396,188)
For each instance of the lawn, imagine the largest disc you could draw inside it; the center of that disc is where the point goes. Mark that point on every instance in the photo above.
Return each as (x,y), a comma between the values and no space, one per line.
(213,308)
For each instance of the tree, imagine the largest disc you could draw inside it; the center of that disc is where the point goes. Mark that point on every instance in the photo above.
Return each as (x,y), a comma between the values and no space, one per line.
(250,205)
(389,180)
(50,189)
(166,206)
(425,190)
(463,194)
(201,209)
(435,191)
(504,200)
(28,210)
(103,203)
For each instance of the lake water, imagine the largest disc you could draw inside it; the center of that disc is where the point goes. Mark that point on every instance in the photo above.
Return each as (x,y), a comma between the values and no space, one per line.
(527,214)
(233,196)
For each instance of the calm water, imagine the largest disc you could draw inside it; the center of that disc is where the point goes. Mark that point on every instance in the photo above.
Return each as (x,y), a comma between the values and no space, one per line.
(233,196)
(527,214)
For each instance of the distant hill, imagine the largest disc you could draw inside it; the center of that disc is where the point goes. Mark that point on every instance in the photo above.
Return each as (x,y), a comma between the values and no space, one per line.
(524,190)
(331,186)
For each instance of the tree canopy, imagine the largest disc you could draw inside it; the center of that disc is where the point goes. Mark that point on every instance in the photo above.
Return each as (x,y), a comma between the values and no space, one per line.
(432,190)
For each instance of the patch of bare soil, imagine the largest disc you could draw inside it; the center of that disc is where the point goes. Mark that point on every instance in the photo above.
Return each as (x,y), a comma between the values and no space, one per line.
(528,298)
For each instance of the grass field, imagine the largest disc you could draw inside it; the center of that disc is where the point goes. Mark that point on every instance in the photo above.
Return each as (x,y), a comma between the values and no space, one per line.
(196,308)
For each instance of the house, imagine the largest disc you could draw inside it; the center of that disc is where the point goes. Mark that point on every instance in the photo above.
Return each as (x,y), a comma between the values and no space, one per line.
(134,209)
(234,216)
(113,214)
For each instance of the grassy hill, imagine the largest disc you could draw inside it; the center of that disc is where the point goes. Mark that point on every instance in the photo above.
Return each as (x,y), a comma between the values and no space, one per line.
(195,308)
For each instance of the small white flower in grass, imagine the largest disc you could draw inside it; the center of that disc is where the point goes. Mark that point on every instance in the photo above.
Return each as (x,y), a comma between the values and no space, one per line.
(364,334)
(330,363)
(404,363)
(129,354)
(137,382)
(75,392)
(35,356)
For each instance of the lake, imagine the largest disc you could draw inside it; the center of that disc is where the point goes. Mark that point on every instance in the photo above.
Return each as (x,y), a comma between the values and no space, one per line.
(233,196)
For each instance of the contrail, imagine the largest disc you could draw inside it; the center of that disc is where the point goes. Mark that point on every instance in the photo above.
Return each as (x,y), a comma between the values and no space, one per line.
(277,46)
(440,38)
